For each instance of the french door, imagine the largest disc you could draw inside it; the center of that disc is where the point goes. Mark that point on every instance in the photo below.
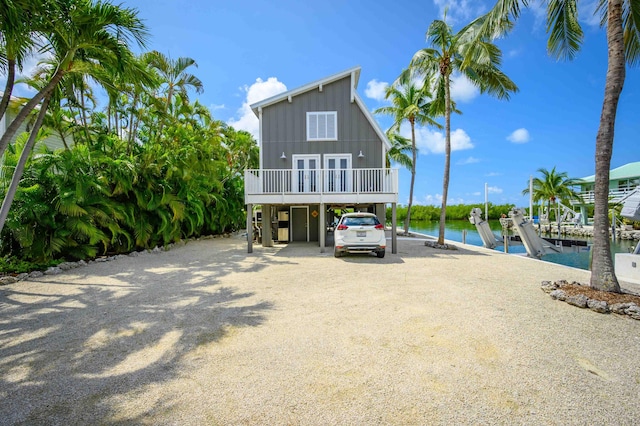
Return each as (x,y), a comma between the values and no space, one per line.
(305,173)
(338,172)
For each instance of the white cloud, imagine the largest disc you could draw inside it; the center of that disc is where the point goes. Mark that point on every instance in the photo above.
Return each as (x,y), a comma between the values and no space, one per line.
(376,89)
(462,90)
(539,9)
(519,136)
(459,10)
(215,107)
(433,141)
(493,174)
(477,194)
(587,13)
(258,91)
(436,200)
(494,190)
(469,160)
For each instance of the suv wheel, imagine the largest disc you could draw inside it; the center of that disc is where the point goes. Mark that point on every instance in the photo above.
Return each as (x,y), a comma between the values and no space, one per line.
(336,252)
(380,254)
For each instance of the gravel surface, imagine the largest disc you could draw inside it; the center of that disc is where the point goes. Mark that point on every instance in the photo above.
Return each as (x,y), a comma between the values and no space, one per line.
(208,334)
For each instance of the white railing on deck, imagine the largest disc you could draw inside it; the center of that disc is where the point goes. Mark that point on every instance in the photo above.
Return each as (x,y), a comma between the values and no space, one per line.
(287,181)
(588,197)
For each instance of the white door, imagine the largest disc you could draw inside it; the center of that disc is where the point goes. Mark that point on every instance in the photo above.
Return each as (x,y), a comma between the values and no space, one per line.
(338,172)
(305,173)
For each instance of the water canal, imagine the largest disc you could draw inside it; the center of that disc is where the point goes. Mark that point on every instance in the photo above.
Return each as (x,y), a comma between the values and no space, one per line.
(454,232)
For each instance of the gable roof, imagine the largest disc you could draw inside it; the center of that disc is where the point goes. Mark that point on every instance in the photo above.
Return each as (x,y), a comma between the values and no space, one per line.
(354,72)
(630,170)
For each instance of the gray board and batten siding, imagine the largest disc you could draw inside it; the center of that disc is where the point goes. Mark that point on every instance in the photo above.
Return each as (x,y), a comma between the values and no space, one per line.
(284,128)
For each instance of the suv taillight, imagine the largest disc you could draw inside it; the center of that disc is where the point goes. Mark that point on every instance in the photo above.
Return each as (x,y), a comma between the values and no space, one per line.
(379,226)
(342,227)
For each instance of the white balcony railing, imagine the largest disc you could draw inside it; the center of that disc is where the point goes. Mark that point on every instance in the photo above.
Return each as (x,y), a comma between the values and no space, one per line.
(588,197)
(320,181)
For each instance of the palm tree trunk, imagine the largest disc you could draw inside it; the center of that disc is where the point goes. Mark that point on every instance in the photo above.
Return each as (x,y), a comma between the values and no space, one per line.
(407,220)
(83,116)
(29,106)
(447,157)
(17,173)
(603,276)
(8,87)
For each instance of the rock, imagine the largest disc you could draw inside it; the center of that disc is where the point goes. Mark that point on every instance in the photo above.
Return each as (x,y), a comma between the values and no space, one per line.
(8,280)
(548,286)
(579,300)
(558,295)
(133,254)
(65,266)
(620,308)
(54,270)
(633,311)
(82,263)
(434,244)
(111,258)
(36,274)
(22,276)
(156,249)
(101,259)
(598,306)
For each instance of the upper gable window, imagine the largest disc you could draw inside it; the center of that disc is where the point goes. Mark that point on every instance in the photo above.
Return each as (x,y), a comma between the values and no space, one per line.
(322,126)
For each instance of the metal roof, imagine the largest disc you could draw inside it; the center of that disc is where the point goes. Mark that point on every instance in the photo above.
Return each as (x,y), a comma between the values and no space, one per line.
(630,170)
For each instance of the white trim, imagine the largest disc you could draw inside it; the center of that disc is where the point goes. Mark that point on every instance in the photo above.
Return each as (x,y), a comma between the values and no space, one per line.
(294,170)
(353,89)
(260,136)
(348,184)
(291,220)
(328,115)
(353,72)
(3,123)
(373,122)
(320,87)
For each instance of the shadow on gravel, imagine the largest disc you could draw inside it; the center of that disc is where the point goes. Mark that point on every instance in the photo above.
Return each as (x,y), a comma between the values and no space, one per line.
(74,345)
(408,247)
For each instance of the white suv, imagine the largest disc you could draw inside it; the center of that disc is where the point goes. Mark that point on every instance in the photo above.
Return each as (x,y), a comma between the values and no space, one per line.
(358,233)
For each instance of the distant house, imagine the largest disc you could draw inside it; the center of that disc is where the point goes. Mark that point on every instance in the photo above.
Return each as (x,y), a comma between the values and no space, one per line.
(53,141)
(622,181)
(321,151)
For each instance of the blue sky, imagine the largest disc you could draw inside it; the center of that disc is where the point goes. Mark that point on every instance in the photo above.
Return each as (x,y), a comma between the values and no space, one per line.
(249,50)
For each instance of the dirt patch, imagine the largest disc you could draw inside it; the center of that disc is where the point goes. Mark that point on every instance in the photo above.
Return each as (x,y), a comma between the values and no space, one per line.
(606,296)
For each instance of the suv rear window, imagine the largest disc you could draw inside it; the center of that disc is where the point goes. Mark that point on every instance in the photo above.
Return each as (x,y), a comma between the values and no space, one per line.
(360,221)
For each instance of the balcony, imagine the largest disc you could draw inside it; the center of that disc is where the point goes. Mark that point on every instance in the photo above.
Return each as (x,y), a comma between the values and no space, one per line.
(335,186)
(588,197)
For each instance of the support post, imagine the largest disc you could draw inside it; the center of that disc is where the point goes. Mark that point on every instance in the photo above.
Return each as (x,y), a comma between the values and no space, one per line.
(486,202)
(394,233)
(322,232)
(267,233)
(249,228)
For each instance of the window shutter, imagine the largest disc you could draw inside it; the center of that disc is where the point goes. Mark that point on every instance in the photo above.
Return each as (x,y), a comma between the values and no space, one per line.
(331,126)
(313,126)
(322,126)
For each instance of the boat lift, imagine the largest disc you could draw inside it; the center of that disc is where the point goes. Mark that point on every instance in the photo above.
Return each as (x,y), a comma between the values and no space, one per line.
(535,246)
(627,265)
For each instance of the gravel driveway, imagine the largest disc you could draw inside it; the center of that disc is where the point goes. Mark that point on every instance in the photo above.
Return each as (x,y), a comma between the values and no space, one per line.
(208,334)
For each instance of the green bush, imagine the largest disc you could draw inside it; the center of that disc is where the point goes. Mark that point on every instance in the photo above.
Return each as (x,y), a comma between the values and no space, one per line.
(454,212)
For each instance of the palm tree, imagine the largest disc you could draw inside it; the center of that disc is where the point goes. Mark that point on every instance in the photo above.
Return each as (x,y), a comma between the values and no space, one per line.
(87,35)
(553,188)
(409,103)
(477,59)
(20,23)
(622,19)
(400,149)
(174,77)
